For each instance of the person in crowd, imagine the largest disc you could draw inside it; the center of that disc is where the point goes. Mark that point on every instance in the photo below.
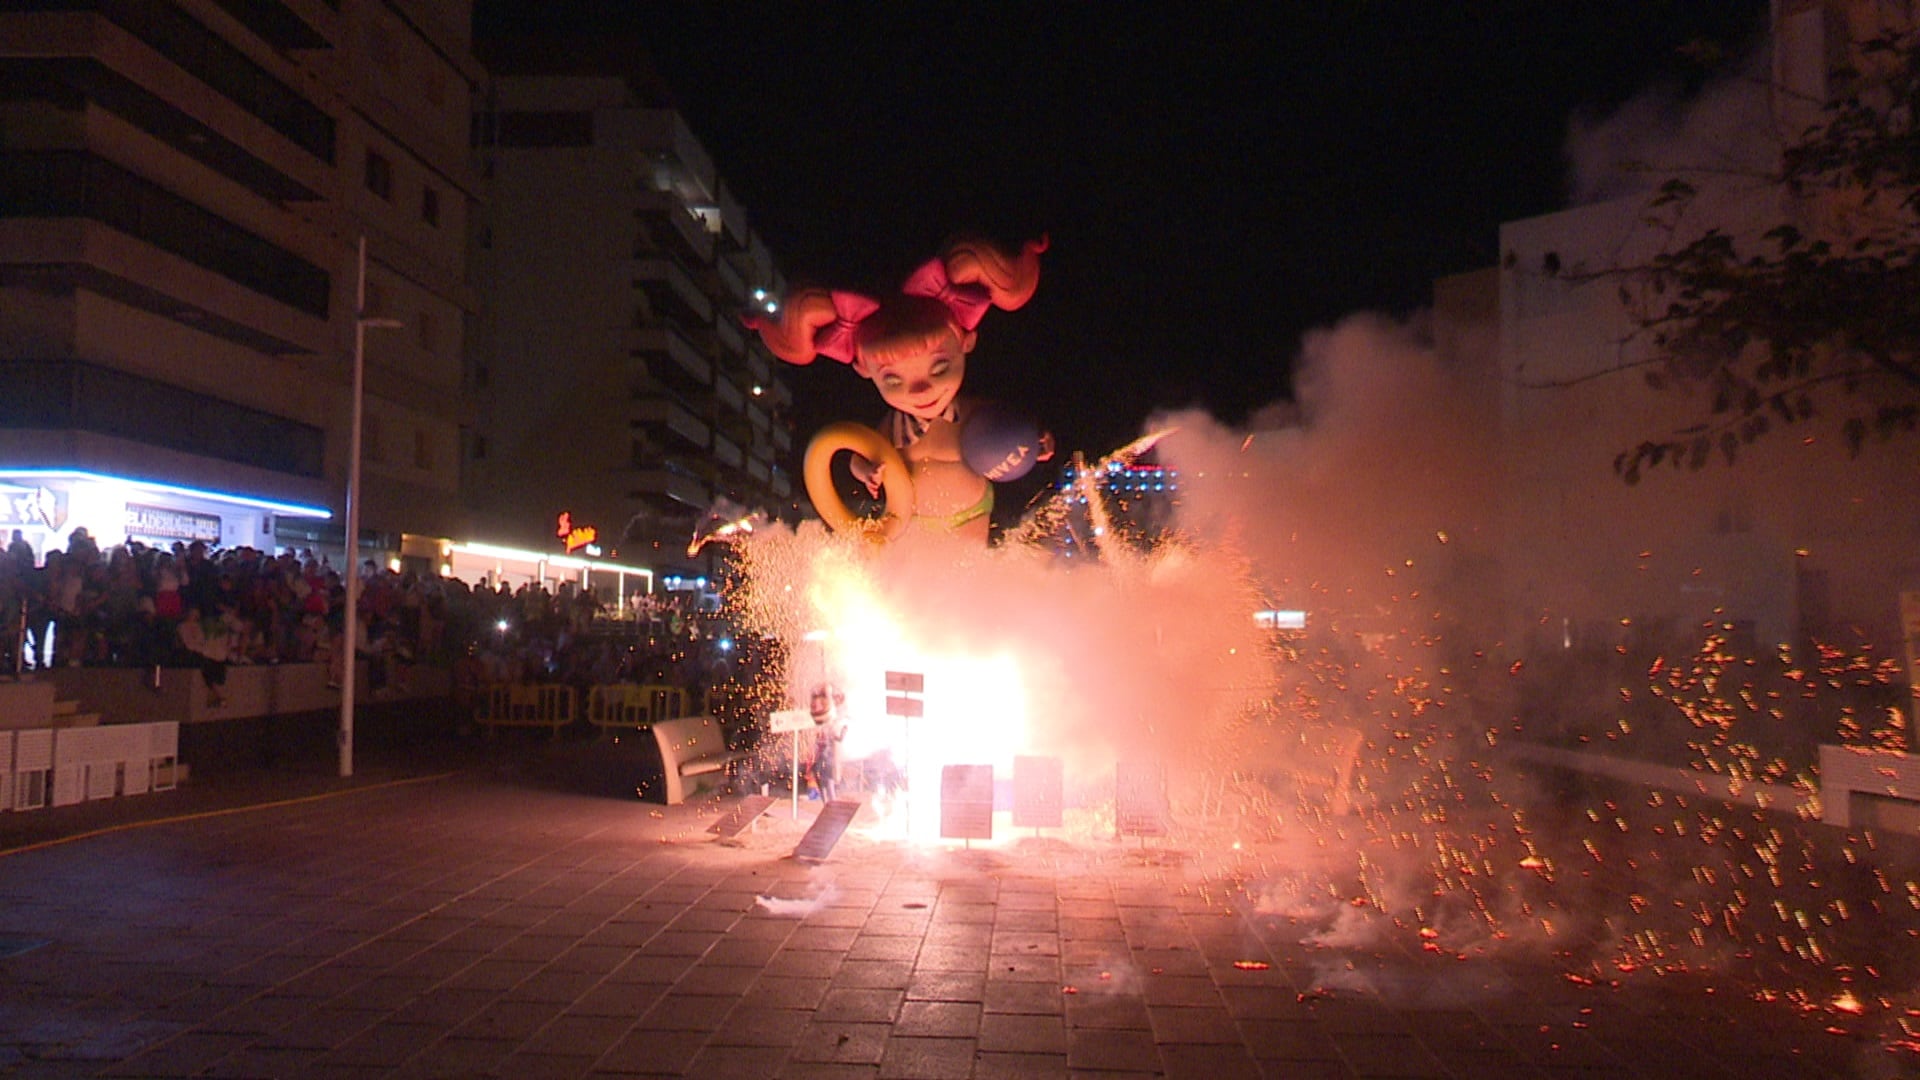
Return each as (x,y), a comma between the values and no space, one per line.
(206,641)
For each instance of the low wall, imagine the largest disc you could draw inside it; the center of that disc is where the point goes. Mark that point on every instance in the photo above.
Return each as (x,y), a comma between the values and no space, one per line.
(127,695)
(1869,787)
(25,703)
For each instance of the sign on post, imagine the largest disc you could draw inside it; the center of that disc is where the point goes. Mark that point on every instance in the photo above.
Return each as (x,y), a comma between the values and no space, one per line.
(792,722)
(903,690)
(1140,799)
(903,700)
(966,802)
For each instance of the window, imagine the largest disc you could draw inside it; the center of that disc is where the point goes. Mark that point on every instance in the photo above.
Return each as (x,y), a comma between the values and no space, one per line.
(430,205)
(379,175)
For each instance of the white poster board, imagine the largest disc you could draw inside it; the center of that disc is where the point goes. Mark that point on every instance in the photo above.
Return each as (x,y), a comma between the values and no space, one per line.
(792,722)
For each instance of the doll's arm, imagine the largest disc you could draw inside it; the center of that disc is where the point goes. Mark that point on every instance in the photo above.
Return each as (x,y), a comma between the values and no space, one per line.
(871,473)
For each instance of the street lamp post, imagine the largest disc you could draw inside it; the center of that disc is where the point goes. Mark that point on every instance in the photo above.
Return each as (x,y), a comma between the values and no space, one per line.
(350,621)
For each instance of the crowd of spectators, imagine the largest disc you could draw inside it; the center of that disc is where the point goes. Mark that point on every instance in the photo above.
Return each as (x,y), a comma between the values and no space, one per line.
(193,605)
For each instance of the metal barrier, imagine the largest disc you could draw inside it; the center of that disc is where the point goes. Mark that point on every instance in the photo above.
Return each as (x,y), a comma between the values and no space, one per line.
(629,705)
(547,705)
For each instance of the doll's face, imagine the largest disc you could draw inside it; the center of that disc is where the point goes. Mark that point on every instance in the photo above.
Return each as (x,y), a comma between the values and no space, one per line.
(922,381)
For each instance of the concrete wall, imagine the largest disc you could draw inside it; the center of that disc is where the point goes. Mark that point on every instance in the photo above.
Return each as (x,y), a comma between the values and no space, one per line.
(124,695)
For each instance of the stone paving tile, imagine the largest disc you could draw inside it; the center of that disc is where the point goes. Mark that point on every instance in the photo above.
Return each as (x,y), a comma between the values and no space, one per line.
(1023,1033)
(541,1066)
(706,978)
(804,963)
(860,1005)
(618,999)
(183,1055)
(818,1070)
(1044,998)
(652,968)
(576,1033)
(454,1055)
(1117,1051)
(1389,1055)
(914,1058)
(1211,1061)
(648,1050)
(990,1065)
(947,986)
(1107,1011)
(842,1042)
(874,974)
(690,1012)
(254,1062)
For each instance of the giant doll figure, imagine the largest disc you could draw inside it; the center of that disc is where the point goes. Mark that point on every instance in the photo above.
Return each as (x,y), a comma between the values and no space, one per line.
(939,450)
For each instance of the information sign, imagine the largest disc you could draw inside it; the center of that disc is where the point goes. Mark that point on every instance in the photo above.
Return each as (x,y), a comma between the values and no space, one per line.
(966,802)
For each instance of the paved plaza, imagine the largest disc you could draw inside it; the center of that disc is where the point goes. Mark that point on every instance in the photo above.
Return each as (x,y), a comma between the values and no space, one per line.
(486,921)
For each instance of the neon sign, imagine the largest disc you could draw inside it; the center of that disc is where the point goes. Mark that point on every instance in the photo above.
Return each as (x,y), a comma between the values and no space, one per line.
(574,536)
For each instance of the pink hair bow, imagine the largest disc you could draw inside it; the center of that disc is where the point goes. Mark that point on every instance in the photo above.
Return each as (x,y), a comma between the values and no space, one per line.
(967,301)
(839,339)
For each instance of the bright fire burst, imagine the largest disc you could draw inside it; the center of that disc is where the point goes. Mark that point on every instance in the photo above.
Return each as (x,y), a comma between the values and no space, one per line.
(1387,768)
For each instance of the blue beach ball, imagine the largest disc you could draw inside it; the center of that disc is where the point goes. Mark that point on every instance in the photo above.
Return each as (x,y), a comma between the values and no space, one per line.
(1000,443)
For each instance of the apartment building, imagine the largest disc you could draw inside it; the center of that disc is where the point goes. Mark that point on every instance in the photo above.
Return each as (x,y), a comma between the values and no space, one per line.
(613,381)
(184,188)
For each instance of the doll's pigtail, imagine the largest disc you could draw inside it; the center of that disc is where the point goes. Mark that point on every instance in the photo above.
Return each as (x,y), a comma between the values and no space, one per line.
(1009,278)
(817,322)
(791,336)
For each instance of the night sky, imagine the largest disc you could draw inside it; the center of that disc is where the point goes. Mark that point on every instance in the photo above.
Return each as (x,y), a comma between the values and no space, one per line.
(1216,179)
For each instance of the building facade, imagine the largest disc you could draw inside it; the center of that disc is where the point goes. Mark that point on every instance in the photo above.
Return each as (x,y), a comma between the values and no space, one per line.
(617,394)
(183,191)
(1799,539)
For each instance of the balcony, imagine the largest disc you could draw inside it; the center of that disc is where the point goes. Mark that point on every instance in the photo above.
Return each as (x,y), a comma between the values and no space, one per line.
(656,485)
(75,184)
(670,226)
(661,340)
(734,285)
(71,395)
(732,338)
(670,289)
(727,452)
(664,414)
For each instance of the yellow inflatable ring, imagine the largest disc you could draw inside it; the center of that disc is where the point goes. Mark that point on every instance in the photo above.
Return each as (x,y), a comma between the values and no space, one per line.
(896,482)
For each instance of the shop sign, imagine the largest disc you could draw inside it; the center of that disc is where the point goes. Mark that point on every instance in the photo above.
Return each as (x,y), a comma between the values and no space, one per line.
(574,536)
(38,506)
(160,523)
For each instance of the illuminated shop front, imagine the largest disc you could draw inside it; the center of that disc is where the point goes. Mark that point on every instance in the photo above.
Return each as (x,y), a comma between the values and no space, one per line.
(47,505)
(493,565)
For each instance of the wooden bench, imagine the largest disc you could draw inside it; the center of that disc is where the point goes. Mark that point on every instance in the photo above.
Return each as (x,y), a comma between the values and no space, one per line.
(691,747)
(547,705)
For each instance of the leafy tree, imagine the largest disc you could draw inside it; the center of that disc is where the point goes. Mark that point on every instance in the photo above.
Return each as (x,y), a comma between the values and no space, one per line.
(1814,318)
